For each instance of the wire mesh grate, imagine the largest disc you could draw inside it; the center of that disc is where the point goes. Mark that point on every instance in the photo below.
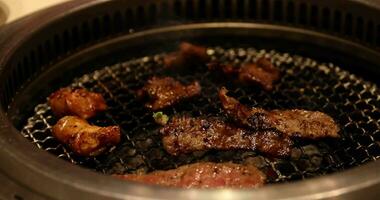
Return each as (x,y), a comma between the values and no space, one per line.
(305,84)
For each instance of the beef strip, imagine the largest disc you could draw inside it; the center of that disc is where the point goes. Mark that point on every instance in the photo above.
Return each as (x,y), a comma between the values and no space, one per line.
(166,91)
(261,73)
(187,55)
(185,134)
(294,122)
(203,175)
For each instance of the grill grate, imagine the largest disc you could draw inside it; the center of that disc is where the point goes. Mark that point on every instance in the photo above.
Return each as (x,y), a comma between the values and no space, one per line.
(305,84)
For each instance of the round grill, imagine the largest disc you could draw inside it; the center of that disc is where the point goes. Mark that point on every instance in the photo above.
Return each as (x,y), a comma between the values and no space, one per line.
(305,84)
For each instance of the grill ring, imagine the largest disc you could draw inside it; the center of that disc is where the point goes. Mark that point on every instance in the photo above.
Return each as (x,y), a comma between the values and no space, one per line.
(22,49)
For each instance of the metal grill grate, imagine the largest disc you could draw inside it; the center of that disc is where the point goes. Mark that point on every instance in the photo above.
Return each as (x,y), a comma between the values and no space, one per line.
(305,84)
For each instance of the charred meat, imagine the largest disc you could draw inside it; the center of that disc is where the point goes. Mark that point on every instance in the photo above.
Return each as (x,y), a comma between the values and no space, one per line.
(294,122)
(188,54)
(185,134)
(166,91)
(226,69)
(204,175)
(261,73)
(79,102)
(85,139)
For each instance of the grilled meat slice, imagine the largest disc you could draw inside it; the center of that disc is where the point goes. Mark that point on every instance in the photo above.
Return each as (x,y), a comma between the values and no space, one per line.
(188,54)
(185,134)
(85,139)
(227,69)
(166,91)
(294,122)
(262,72)
(79,102)
(204,175)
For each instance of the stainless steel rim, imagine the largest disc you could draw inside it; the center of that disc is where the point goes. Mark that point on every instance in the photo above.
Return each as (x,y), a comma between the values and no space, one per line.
(59,177)
(18,155)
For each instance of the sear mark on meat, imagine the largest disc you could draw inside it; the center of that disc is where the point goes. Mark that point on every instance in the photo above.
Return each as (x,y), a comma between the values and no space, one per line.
(166,91)
(294,122)
(85,139)
(185,134)
(261,73)
(188,54)
(79,102)
(203,175)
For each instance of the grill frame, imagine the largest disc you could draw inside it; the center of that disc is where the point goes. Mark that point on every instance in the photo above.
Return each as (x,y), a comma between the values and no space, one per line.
(71,181)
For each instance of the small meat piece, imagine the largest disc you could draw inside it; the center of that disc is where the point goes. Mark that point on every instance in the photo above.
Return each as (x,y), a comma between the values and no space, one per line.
(79,102)
(85,139)
(166,91)
(185,134)
(204,175)
(189,51)
(262,72)
(294,122)
(188,54)
(227,69)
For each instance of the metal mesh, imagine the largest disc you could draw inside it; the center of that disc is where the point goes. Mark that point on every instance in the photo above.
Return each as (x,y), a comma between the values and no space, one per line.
(306,84)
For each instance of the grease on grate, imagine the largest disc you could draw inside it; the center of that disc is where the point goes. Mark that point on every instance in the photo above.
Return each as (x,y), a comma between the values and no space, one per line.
(305,84)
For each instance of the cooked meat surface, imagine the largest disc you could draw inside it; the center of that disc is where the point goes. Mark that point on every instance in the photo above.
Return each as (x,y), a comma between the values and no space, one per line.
(204,175)
(79,102)
(166,91)
(185,134)
(294,122)
(262,72)
(188,54)
(227,69)
(85,139)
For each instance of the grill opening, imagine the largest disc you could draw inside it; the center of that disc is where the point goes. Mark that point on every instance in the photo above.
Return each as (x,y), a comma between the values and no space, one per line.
(305,83)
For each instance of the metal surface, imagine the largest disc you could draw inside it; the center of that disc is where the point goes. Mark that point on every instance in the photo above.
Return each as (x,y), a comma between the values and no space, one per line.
(10,189)
(22,60)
